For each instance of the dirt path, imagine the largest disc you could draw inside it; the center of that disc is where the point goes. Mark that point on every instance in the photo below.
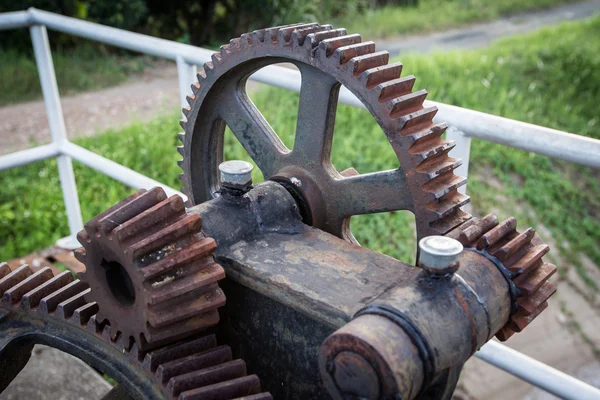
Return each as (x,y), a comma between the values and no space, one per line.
(479,35)
(25,125)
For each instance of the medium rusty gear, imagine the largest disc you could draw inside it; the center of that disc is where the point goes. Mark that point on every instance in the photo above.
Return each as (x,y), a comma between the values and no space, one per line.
(521,254)
(425,182)
(150,269)
(192,369)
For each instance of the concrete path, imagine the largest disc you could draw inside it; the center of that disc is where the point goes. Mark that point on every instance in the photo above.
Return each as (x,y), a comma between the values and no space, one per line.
(479,35)
(51,374)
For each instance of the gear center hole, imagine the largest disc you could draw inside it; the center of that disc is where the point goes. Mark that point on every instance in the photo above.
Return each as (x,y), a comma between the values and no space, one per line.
(119,282)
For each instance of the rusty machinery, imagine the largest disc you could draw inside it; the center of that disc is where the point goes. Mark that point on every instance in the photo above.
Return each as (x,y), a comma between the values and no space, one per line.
(308,310)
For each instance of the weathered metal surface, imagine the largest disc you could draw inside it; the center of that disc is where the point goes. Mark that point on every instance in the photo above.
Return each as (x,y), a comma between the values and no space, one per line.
(151,270)
(71,325)
(278,343)
(521,255)
(417,330)
(327,58)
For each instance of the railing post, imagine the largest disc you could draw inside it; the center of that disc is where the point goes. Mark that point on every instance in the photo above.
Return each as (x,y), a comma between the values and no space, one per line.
(45,67)
(462,151)
(186,73)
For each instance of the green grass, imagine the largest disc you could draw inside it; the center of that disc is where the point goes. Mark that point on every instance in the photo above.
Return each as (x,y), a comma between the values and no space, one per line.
(84,68)
(435,15)
(550,78)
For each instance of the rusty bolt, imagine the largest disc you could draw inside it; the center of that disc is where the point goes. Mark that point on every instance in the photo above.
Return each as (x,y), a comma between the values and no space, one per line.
(236,174)
(439,254)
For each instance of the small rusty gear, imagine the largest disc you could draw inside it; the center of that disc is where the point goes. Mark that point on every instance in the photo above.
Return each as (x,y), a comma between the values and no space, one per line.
(521,254)
(151,270)
(327,58)
(192,369)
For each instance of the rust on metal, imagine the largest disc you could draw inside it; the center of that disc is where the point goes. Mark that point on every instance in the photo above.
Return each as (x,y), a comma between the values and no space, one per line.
(151,269)
(184,370)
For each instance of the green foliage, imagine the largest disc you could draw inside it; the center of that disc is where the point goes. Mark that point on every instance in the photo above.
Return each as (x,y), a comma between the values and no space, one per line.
(548,78)
(432,15)
(82,68)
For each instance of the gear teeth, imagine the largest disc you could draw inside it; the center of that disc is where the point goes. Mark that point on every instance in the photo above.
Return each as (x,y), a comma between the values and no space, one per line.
(521,254)
(497,233)
(205,277)
(448,204)
(127,209)
(183,123)
(432,147)
(272,34)
(524,264)
(346,53)
(189,225)
(402,106)
(80,254)
(453,219)
(186,112)
(192,252)
(218,355)
(299,35)
(197,305)
(442,185)
(65,309)
(14,277)
(192,369)
(83,314)
(190,99)
(530,304)
(32,298)
(374,76)
(240,387)
(529,284)
(196,86)
(164,211)
(180,150)
(91,227)
(413,121)
(49,303)
(328,46)
(14,295)
(394,88)
(312,40)
(181,137)
(207,376)
(516,244)
(360,64)
(166,354)
(4,270)
(285,35)
(438,165)
(225,51)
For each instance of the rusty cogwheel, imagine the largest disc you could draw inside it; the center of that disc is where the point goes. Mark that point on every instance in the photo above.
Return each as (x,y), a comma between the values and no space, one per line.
(327,58)
(521,255)
(150,269)
(42,308)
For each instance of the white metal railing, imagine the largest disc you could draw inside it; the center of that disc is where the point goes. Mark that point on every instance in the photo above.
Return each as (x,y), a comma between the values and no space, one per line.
(464,124)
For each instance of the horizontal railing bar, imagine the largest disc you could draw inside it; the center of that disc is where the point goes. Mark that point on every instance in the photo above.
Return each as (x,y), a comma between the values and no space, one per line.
(528,137)
(116,171)
(28,156)
(13,20)
(537,373)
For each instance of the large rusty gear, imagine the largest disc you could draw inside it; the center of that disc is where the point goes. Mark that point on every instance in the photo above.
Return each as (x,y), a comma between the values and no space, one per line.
(151,270)
(52,310)
(520,254)
(327,58)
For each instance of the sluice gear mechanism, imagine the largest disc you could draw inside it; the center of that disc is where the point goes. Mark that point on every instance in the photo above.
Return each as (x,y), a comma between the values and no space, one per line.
(267,280)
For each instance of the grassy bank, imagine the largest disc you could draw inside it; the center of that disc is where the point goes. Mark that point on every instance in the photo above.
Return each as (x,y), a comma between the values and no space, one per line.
(78,70)
(550,78)
(434,15)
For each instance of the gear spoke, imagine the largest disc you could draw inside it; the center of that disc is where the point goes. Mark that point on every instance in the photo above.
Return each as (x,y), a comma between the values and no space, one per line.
(316,115)
(373,193)
(253,132)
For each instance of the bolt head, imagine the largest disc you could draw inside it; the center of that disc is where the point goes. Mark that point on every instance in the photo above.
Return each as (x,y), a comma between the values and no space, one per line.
(236,173)
(439,254)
